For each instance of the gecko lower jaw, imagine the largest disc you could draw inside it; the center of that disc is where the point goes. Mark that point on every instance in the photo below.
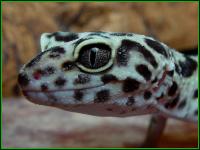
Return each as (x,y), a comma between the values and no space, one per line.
(60,90)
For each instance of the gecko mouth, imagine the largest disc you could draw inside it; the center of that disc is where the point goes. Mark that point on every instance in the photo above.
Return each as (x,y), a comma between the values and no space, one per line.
(63,90)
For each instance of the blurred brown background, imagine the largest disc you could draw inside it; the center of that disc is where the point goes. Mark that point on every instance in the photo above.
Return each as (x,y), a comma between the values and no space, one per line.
(29,125)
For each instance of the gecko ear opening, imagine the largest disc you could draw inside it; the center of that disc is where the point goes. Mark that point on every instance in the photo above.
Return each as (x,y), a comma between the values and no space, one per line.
(44,41)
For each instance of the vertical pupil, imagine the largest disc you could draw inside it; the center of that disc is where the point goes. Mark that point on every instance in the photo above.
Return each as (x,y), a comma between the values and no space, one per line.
(93,56)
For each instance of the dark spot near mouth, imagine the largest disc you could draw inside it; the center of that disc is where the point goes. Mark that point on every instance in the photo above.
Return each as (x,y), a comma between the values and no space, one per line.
(60,82)
(147,95)
(102,96)
(82,79)
(44,87)
(49,70)
(157,46)
(78,95)
(172,90)
(108,78)
(130,85)
(67,66)
(144,71)
(23,79)
(131,101)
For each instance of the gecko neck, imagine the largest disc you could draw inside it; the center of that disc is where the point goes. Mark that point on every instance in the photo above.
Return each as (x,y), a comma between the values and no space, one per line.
(180,95)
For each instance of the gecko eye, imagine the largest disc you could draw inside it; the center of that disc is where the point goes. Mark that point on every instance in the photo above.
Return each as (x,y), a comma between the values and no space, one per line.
(94,56)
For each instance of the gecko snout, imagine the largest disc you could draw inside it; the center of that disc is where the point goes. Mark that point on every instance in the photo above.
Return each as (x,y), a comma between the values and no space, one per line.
(23,79)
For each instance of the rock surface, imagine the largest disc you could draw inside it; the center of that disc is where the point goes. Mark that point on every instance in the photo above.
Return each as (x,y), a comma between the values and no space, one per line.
(28,125)
(173,23)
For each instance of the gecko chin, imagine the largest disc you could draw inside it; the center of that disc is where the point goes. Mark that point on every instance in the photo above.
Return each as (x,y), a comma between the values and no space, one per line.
(98,101)
(66,102)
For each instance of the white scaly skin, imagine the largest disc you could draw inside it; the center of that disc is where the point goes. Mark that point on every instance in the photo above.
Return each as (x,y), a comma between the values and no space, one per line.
(82,84)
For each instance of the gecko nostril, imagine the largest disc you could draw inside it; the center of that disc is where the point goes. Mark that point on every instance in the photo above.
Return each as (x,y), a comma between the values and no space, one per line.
(37,75)
(23,79)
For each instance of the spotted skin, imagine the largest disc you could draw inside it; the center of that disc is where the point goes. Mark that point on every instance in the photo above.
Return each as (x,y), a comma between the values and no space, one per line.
(112,74)
(75,64)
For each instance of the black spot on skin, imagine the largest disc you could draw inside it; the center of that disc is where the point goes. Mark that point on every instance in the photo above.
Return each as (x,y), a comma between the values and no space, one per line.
(157,46)
(52,34)
(144,71)
(121,34)
(49,70)
(123,52)
(66,66)
(102,96)
(182,104)
(195,94)
(131,101)
(172,103)
(46,71)
(154,80)
(56,52)
(196,112)
(23,79)
(177,69)
(52,99)
(170,73)
(147,95)
(60,82)
(66,38)
(126,46)
(108,78)
(78,95)
(187,67)
(44,87)
(172,90)
(130,85)
(82,79)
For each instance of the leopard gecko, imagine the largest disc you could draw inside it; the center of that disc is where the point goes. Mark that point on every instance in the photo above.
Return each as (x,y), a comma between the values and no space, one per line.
(113,74)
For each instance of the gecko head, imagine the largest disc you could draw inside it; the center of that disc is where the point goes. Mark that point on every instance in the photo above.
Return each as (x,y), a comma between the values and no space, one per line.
(89,73)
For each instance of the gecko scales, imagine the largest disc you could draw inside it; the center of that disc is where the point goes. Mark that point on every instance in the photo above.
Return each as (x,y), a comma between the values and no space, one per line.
(113,74)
